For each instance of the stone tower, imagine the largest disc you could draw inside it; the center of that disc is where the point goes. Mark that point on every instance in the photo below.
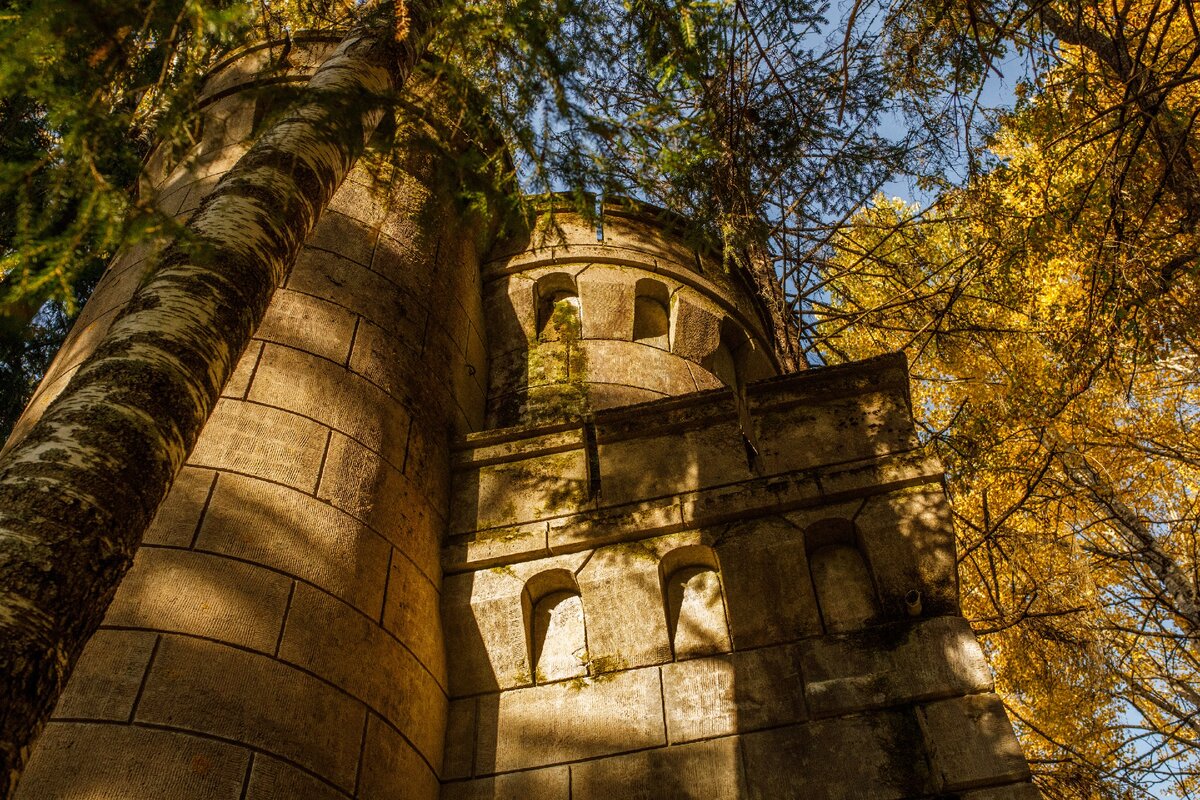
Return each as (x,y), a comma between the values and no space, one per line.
(540,522)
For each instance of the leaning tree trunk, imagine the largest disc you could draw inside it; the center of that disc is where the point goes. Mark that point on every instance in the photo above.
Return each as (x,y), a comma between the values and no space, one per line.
(78,491)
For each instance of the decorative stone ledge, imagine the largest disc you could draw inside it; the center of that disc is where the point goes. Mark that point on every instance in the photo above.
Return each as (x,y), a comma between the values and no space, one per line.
(526,492)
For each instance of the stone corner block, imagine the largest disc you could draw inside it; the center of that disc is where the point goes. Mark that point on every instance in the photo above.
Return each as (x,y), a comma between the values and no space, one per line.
(695,331)
(971,743)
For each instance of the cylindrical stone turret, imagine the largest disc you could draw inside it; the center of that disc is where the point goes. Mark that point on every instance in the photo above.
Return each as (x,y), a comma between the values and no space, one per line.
(584,317)
(278,634)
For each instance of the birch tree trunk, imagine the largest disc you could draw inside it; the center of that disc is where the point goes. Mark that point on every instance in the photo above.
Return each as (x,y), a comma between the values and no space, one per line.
(77,492)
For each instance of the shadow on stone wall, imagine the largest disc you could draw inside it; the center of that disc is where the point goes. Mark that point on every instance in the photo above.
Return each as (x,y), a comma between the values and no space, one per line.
(851,672)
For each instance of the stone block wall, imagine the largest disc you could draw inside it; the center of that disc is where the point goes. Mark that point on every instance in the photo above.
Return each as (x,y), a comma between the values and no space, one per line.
(647,610)
(654,586)
(584,317)
(278,633)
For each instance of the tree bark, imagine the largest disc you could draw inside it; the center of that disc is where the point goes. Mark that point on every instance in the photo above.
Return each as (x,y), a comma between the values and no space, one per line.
(77,493)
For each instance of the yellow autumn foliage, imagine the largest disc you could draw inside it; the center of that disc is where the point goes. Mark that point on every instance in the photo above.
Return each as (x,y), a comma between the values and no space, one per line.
(1051,315)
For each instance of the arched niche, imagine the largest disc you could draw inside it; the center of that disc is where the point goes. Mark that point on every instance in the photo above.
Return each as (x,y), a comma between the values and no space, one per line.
(558,311)
(841,577)
(694,599)
(651,319)
(724,360)
(555,627)
(737,359)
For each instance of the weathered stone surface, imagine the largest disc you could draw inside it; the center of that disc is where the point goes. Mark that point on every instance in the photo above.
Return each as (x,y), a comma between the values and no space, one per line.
(489,447)
(570,720)
(330,639)
(843,482)
(270,706)
(750,499)
(395,260)
(592,528)
(353,286)
(210,162)
(704,379)
(606,303)
(83,340)
(243,371)
(392,769)
(318,389)
(203,595)
(672,462)
(297,534)
(695,328)
(359,482)
(118,762)
(971,742)
(450,317)
(611,395)
(411,602)
(346,236)
(891,665)
(334,674)
(501,495)
(427,462)
(703,771)
(174,193)
(178,517)
(272,779)
(696,617)
(262,441)
(501,660)
(308,323)
(540,404)
(767,586)
(120,280)
(551,783)
(878,757)
(390,361)
(470,384)
(364,203)
(496,545)
(622,593)
(484,618)
(459,757)
(825,433)
(909,539)
(636,364)
(511,312)
(548,363)
(227,121)
(723,695)
(106,679)
(197,191)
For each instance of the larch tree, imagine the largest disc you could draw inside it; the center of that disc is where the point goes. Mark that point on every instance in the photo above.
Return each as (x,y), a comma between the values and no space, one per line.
(1048,310)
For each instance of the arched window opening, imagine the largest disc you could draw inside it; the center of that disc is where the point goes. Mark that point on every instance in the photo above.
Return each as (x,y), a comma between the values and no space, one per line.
(737,361)
(845,591)
(722,365)
(651,319)
(555,626)
(558,308)
(726,361)
(695,603)
(559,644)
